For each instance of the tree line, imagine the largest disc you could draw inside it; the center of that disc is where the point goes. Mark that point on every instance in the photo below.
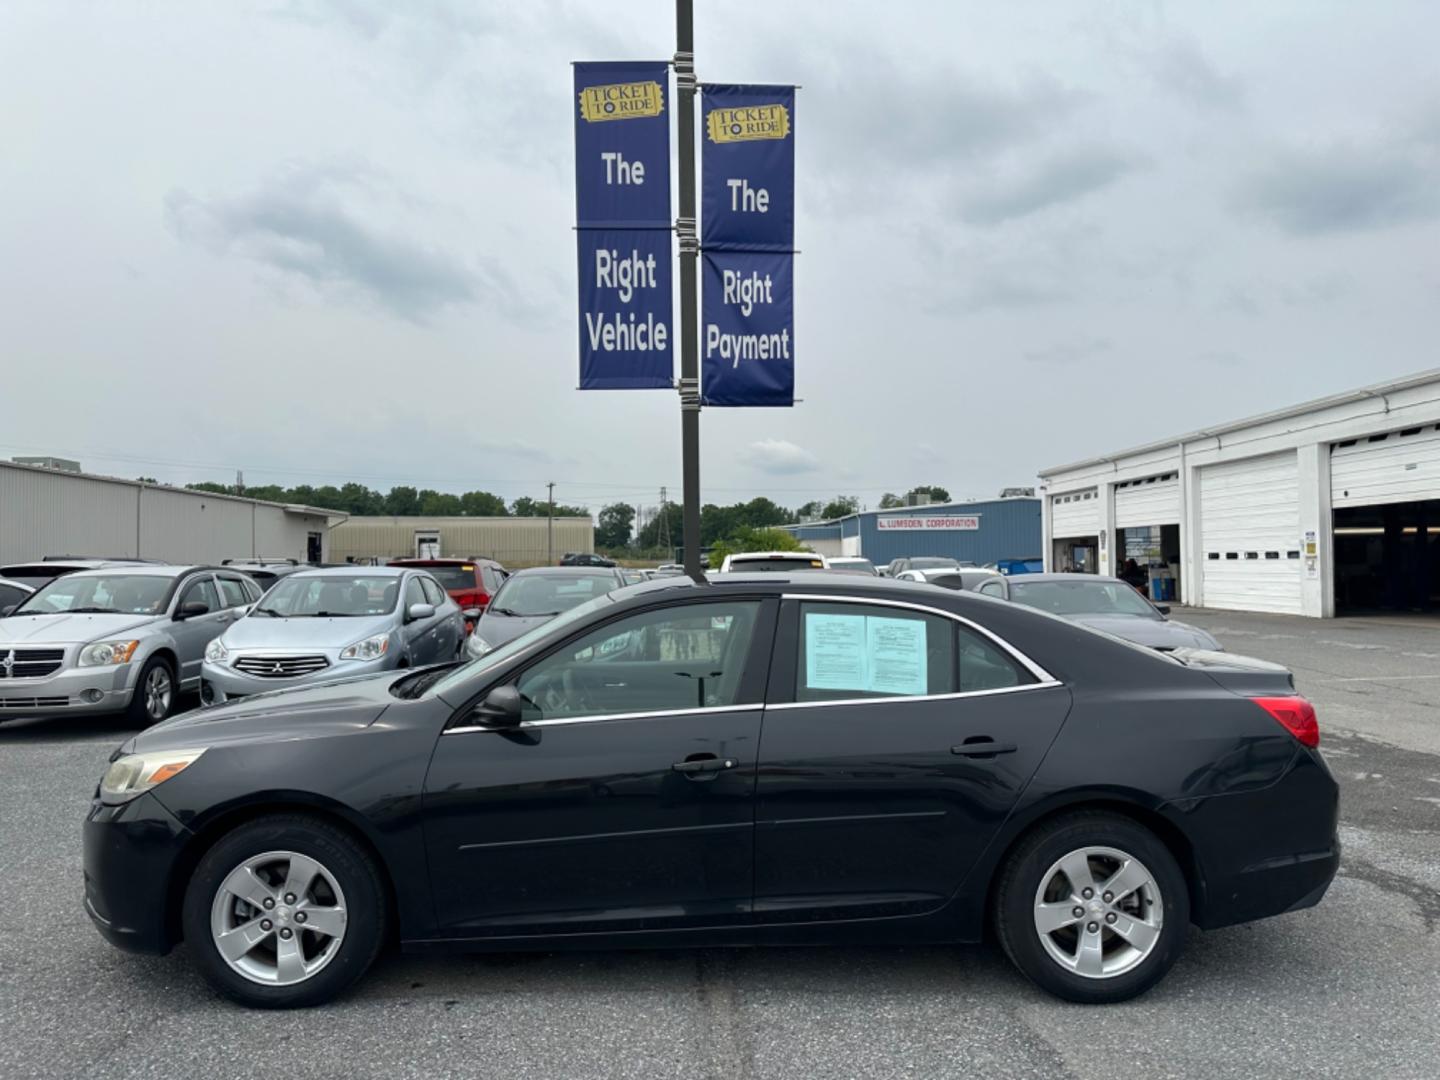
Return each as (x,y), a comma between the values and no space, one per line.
(403,501)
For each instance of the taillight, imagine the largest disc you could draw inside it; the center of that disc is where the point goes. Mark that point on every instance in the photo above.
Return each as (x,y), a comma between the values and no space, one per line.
(1296,715)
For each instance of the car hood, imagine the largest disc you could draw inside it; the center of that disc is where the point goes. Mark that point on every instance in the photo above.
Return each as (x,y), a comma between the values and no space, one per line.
(1154,633)
(302,712)
(496,630)
(269,632)
(66,629)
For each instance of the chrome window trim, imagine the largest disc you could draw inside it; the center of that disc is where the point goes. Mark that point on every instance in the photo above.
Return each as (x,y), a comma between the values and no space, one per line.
(562,721)
(958,695)
(1029,665)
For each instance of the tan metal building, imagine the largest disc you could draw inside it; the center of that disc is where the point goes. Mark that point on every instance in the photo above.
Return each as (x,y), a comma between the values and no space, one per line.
(514,541)
(46,511)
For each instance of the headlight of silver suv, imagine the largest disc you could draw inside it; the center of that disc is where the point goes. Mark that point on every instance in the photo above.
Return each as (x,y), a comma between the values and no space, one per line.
(216,652)
(134,774)
(372,648)
(107,653)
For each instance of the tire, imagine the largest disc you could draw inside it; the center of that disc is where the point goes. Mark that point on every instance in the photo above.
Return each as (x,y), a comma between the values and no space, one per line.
(279,851)
(1139,934)
(144,709)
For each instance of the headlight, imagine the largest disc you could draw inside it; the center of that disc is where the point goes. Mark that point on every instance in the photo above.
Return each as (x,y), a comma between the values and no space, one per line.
(216,652)
(372,648)
(135,774)
(105,653)
(476,646)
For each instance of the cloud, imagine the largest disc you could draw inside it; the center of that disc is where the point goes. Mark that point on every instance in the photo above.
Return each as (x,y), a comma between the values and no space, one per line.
(779,458)
(1183,70)
(319,225)
(1066,353)
(1343,188)
(1059,179)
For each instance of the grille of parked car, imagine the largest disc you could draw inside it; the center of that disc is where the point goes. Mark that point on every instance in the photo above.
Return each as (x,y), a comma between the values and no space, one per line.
(30,663)
(34,702)
(280,667)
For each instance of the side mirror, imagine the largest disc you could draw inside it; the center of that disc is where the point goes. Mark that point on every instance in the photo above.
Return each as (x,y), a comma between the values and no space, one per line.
(1163,609)
(191,609)
(416,612)
(500,709)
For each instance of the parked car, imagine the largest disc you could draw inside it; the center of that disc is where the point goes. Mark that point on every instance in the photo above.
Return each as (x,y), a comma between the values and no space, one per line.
(11,593)
(1105,603)
(318,625)
(851,564)
(265,570)
(1020,566)
(117,639)
(883,569)
(471,583)
(963,578)
(634,577)
(534,596)
(585,558)
(43,571)
(786,751)
(751,561)
(925,562)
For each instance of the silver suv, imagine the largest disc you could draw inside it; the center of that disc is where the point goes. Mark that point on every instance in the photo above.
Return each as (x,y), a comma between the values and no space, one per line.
(117,639)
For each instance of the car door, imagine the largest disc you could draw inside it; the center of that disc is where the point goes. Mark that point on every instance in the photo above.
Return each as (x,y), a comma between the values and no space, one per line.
(896,740)
(192,633)
(443,637)
(413,631)
(623,801)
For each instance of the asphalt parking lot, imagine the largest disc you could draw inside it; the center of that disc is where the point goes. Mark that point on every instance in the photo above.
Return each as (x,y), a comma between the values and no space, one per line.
(1348,989)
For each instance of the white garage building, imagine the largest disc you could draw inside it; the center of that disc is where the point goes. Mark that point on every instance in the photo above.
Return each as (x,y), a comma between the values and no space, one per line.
(1321,509)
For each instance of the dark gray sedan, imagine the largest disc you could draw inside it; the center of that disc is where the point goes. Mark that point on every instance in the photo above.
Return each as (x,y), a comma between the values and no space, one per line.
(1104,603)
(534,596)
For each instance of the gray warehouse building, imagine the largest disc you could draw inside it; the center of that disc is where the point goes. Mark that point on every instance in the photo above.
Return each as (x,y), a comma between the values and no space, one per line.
(47,511)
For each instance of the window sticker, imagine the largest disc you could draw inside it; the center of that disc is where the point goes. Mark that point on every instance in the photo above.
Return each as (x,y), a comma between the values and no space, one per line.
(866,654)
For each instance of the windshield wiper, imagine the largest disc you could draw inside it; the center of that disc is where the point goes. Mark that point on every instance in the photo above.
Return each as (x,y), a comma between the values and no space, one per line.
(335,615)
(504,611)
(267,611)
(93,611)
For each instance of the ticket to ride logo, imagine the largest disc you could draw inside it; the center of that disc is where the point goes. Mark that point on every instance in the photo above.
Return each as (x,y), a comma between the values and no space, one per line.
(621,101)
(748,122)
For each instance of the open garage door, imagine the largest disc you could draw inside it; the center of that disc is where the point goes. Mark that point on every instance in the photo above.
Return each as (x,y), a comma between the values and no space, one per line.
(1250,534)
(1147,530)
(1385,493)
(1153,501)
(1075,531)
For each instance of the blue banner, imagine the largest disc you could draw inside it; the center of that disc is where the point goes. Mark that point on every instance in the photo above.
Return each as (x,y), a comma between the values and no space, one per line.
(622,145)
(622,211)
(747,340)
(747,181)
(625,304)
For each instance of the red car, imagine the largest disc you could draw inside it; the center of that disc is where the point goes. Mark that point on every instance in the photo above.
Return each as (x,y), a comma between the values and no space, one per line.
(470,582)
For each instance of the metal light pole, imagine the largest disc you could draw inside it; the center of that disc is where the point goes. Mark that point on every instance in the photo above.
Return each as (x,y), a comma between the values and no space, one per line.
(550,524)
(685,230)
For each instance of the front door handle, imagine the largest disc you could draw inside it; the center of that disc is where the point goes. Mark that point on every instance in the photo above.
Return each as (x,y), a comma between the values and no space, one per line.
(703,767)
(983,746)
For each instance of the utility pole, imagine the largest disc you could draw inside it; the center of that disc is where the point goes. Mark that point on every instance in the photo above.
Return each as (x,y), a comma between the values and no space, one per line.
(665,523)
(550,525)
(685,231)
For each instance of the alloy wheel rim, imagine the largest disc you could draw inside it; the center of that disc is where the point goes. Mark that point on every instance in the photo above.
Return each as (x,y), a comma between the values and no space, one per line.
(157,693)
(1098,912)
(278,918)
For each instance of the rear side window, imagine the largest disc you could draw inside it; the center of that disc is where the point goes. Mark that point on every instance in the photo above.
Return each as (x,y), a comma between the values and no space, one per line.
(864,650)
(232,592)
(986,666)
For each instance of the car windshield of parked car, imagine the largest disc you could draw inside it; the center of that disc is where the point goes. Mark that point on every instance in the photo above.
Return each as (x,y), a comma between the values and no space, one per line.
(1082,598)
(125,594)
(775,562)
(453,577)
(513,647)
(933,562)
(334,595)
(853,566)
(549,594)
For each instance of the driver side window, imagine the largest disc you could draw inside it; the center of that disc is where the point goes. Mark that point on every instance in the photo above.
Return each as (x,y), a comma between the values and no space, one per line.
(201,592)
(690,656)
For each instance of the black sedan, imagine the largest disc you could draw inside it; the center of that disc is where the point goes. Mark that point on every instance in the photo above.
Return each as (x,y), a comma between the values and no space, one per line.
(768,759)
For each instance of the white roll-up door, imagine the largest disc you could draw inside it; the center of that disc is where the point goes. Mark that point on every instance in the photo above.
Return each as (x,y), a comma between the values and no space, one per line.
(1250,534)
(1398,467)
(1152,501)
(1076,514)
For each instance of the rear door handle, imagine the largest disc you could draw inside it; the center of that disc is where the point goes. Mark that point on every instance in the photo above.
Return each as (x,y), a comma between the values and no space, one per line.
(983,747)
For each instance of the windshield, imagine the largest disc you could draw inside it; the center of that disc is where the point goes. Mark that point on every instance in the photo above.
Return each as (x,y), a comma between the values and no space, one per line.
(1082,598)
(332,594)
(125,594)
(933,562)
(452,578)
(548,594)
(520,644)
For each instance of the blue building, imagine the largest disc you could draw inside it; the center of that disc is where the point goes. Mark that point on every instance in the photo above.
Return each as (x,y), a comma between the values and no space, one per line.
(978,532)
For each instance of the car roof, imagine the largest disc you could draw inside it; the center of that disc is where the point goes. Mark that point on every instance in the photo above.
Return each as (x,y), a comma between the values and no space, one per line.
(448,560)
(1023,578)
(350,570)
(140,570)
(570,571)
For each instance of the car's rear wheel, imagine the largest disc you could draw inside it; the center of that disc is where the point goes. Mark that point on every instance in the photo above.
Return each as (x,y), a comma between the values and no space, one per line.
(1093,908)
(154,696)
(284,912)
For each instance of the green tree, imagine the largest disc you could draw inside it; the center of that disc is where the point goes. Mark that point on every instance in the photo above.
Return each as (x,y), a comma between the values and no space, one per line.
(402,501)
(439,504)
(212,488)
(810,509)
(749,539)
(482,504)
(936,492)
(840,506)
(528,507)
(613,530)
(890,500)
(655,530)
(360,500)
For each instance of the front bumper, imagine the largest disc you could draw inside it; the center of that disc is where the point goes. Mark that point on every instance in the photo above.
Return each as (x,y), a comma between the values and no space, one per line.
(220,682)
(70,690)
(129,856)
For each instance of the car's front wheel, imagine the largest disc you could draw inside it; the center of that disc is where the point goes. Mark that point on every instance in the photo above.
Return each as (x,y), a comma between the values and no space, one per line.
(1093,908)
(154,696)
(284,912)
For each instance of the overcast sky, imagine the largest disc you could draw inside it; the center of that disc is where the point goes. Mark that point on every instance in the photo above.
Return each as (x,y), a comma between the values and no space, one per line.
(324,240)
